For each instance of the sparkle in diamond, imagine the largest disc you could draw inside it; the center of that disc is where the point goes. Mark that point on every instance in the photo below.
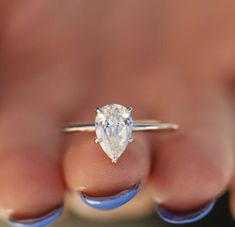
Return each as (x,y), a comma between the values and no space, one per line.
(113,129)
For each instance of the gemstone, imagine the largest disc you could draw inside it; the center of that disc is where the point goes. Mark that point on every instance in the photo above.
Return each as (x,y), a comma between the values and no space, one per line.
(113,125)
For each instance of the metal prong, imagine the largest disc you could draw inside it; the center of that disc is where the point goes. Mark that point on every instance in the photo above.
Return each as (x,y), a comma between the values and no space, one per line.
(98,110)
(129,109)
(131,139)
(114,160)
(97,140)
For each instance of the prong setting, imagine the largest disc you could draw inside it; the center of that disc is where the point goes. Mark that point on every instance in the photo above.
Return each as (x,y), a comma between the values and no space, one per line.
(98,140)
(114,126)
(129,109)
(98,111)
(114,160)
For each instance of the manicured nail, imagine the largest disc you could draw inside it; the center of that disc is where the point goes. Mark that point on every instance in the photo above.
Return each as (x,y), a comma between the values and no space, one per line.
(38,222)
(186,217)
(111,202)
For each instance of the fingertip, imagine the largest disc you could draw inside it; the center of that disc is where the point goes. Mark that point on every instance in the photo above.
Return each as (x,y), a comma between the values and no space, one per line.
(189,172)
(87,167)
(32,187)
(185,217)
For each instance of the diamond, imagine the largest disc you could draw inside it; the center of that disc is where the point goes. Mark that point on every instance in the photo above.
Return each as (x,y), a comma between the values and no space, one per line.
(113,125)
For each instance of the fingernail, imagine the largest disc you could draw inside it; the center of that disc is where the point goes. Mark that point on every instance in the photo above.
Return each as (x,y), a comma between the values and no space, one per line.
(38,222)
(186,217)
(111,202)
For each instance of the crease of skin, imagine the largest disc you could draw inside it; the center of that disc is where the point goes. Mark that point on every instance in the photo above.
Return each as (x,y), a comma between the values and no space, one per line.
(80,188)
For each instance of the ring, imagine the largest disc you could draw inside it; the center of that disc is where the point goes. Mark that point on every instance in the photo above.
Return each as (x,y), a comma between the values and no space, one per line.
(114,126)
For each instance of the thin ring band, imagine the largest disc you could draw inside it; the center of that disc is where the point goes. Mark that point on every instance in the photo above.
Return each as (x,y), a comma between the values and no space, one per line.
(142,125)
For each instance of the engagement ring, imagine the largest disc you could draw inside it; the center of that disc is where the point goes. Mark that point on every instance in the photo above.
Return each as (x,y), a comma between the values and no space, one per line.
(114,126)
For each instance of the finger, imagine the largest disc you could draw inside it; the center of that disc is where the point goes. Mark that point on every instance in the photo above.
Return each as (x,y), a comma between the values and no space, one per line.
(195,166)
(30,176)
(33,191)
(32,113)
(100,183)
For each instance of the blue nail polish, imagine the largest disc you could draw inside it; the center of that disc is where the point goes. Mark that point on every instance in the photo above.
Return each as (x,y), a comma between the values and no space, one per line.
(111,202)
(38,222)
(187,217)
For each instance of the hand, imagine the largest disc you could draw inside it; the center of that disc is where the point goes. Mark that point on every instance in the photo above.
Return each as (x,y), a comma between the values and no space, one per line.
(169,61)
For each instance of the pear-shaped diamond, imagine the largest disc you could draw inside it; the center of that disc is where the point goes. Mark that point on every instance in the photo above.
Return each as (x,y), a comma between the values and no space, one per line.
(113,129)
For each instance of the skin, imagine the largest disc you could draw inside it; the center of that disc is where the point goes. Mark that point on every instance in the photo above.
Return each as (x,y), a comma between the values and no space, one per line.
(168,60)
